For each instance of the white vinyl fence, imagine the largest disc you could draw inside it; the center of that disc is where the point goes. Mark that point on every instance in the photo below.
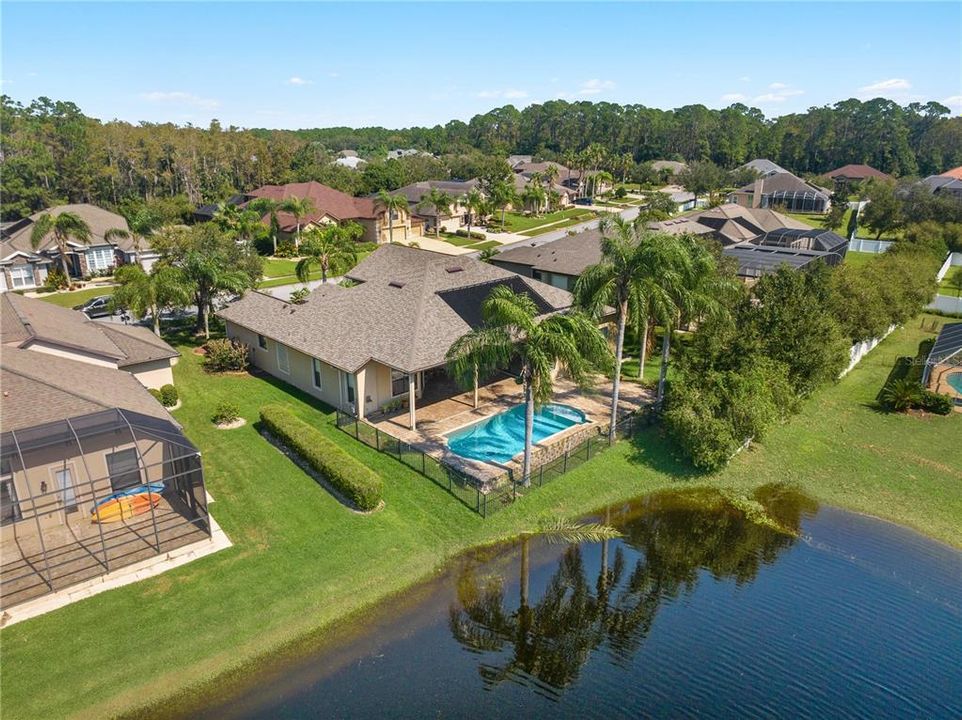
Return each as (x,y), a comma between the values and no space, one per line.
(861,349)
(947,303)
(865,245)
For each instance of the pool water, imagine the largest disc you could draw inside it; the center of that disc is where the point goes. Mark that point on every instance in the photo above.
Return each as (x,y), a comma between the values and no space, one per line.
(955,380)
(500,437)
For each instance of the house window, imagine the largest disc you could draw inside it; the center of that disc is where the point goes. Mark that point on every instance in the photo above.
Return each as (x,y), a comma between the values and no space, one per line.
(21,276)
(283,359)
(9,506)
(100,258)
(316,367)
(123,469)
(262,342)
(399,383)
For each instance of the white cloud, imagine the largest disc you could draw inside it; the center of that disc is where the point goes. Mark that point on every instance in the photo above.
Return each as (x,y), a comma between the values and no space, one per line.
(295,80)
(595,86)
(778,93)
(886,85)
(733,98)
(507,94)
(777,86)
(953,101)
(178,97)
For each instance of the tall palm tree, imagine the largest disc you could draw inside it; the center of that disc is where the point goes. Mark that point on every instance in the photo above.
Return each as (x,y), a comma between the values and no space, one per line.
(298,207)
(502,195)
(64,227)
(151,293)
(441,202)
(511,331)
(549,175)
(392,204)
(208,276)
(598,178)
(329,248)
(269,207)
(633,263)
(534,196)
(473,202)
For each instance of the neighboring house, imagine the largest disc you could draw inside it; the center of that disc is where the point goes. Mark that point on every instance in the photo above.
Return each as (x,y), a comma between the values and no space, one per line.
(450,221)
(754,261)
(944,361)
(947,184)
(42,327)
(783,191)
(832,245)
(762,167)
(352,162)
(557,263)
(406,152)
(347,153)
(729,223)
(382,341)
(856,173)
(684,200)
(72,435)
(515,160)
(22,267)
(206,213)
(333,206)
(668,170)
(567,181)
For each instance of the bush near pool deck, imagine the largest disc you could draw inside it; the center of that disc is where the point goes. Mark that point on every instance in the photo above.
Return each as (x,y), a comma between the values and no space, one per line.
(348,475)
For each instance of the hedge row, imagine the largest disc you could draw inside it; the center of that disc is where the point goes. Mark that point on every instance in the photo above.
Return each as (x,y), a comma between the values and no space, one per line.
(350,477)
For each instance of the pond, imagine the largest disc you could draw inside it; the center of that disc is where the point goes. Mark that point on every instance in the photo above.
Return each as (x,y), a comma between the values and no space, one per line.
(695,611)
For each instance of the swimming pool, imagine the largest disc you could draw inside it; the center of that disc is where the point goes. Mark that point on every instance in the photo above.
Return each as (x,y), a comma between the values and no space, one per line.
(955,381)
(500,437)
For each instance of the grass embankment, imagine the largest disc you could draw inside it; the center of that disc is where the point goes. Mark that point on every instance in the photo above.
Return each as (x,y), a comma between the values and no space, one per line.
(859,259)
(302,561)
(77,297)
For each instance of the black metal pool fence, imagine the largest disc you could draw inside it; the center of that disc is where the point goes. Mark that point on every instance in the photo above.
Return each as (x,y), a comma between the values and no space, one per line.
(505,489)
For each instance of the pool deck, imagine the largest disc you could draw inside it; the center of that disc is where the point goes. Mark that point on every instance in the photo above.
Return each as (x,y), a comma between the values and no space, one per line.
(436,419)
(939,382)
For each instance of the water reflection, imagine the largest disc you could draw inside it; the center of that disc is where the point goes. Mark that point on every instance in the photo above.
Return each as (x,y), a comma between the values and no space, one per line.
(669,538)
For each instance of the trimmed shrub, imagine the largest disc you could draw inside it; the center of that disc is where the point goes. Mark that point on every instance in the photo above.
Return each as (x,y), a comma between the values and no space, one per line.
(226,354)
(356,481)
(57,280)
(286,249)
(464,233)
(225,413)
(934,402)
(156,393)
(168,395)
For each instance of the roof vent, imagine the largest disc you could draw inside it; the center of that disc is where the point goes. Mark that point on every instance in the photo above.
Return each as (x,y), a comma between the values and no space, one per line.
(396,284)
(454,268)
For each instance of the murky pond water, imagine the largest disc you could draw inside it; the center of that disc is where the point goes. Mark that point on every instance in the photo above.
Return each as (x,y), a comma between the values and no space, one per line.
(695,611)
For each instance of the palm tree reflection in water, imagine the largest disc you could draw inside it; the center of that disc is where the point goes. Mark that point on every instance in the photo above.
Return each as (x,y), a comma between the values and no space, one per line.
(668,538)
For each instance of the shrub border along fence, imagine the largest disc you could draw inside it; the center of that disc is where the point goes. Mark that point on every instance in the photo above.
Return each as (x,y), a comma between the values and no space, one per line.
(507,488)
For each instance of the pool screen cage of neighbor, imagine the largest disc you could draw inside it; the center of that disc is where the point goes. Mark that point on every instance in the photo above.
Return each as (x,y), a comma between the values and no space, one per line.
(91,494)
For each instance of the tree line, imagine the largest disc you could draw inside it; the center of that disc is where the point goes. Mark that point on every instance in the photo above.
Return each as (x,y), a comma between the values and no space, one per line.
(53,153)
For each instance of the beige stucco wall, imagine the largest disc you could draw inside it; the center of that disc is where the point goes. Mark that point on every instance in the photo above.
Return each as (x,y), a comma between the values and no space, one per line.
(153,374)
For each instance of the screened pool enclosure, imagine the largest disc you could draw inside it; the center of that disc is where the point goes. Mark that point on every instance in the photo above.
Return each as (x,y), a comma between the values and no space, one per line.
(92,494)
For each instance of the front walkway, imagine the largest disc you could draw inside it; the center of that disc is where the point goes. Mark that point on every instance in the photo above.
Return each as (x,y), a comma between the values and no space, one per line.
(438,418)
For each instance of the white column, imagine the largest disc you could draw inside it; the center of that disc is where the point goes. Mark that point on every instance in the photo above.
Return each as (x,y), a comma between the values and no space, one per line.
(411,408)
(359,396)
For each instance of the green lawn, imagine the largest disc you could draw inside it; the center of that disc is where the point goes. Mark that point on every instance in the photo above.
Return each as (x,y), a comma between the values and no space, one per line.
(516,222)
(859,259)
(280,271)
(485,244)
(558,226)
(947,286)
(301,561)
(457,240)
(279,267)
(70,299)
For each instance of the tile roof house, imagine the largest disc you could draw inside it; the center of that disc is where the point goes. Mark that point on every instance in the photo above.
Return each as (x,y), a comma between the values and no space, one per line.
(855,173)
(72,434)
(332,206)
(23,267)
(41,327)
(361,348)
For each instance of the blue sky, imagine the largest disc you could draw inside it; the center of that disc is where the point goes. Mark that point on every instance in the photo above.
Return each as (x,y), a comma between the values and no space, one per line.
(397,65)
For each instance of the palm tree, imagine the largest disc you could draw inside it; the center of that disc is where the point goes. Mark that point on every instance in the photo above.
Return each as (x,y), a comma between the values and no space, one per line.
(329,248)
(549,175)
(392,204)
(208,275)
(511,331)
(502,195)
(534,196)
(151,293)
(633,264)
(267,206)
(473,202)
(64,227)
(441,202)
(901,394)
(600,177)
(298,207)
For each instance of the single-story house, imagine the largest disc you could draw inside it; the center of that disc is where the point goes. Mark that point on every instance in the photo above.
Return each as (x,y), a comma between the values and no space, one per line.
(206,212)
(668,170)
(515,160)
(334,206)
(23,268)
(382,341)
(42,327)
(784,191)
(947,184)
(72,434)
(557,263)
(856,173)
(754,261)
(568,181)
(456,215)
(398,153)
(352,162)
(729,223)
(943,366)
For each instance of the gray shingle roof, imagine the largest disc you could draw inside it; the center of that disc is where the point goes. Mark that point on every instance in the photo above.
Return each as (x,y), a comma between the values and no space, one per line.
(27,320)
(406,312)
(98,219)
(763,166)
(569,255)
(38,392)
(729,223)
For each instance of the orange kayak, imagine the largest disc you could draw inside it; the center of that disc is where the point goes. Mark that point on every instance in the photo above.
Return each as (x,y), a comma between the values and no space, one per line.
(124,507)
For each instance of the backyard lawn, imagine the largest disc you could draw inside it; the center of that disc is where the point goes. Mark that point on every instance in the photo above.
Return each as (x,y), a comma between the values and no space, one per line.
(952,282)
(301,561)
(70,299)
(859,259)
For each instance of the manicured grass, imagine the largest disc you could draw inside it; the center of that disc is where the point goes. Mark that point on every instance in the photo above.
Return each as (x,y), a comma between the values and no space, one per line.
(485,244)
(516,222)
(859,259)
(70,299)
(302,561)
(947,286)
(279,267)
(560,225)
(457,240)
